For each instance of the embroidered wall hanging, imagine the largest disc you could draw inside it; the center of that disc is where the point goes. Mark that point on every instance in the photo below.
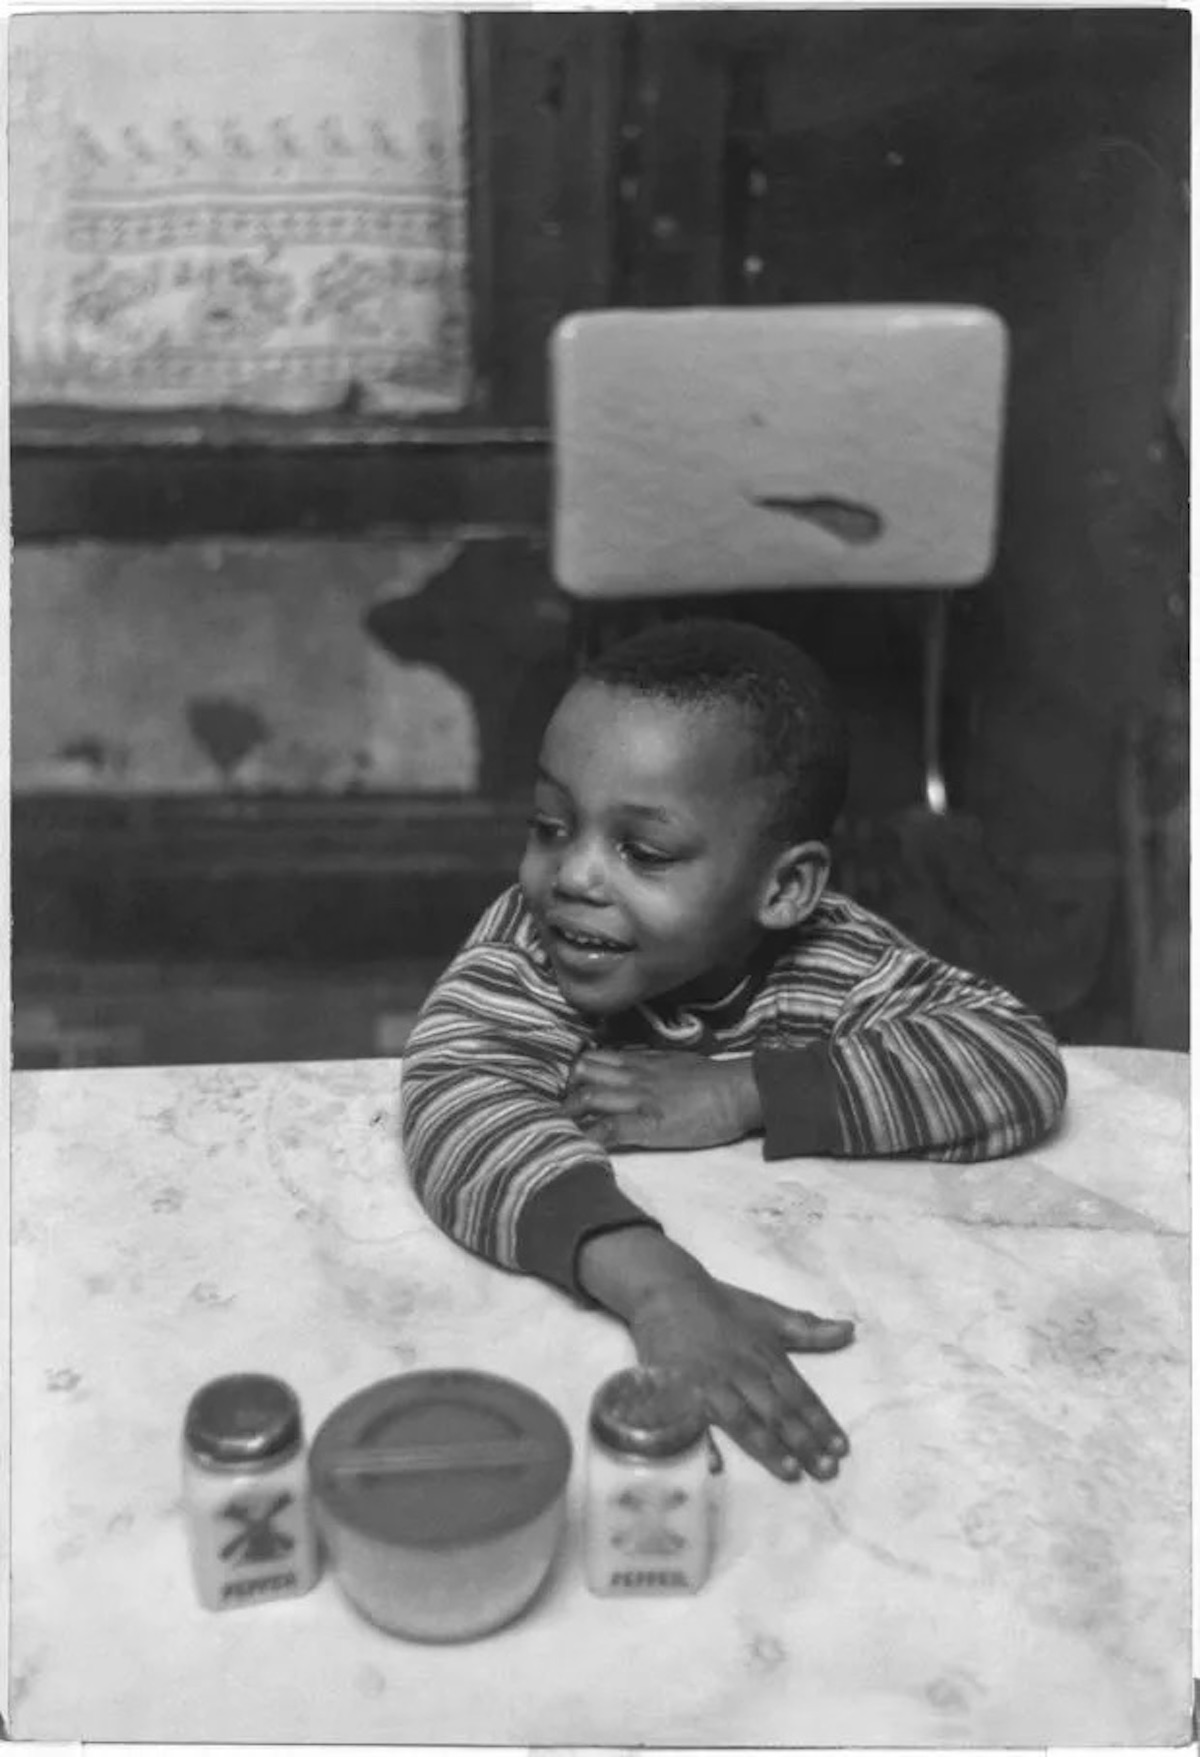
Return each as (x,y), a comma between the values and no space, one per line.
(262,209)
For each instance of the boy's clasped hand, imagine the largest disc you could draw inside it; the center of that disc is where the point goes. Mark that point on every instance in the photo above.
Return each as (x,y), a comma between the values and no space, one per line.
(662,1098)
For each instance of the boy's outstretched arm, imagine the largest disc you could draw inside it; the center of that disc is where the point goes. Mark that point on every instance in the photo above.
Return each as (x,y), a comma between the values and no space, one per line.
(500,1166)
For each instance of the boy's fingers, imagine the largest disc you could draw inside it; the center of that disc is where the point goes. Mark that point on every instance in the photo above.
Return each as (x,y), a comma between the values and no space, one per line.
(601,1101)
(800,1332)
(579,1097)
(799,1423)
(607,1080)
(757,1439)
(761,1425)
(601,1060)
(599,1080)
(601,1129)
(805,1333)
(612,1131)
(807,1420)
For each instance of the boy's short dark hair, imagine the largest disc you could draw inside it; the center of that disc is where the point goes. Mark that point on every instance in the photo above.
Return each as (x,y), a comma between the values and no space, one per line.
(794,718)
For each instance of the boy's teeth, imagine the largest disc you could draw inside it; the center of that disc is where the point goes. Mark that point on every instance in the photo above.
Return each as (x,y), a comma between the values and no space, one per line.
(590,941)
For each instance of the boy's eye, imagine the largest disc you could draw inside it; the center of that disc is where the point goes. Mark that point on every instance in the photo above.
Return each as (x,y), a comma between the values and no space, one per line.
(545,829)
(637,854)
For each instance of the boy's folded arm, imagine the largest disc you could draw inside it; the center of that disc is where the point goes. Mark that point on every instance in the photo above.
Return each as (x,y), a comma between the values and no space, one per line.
(493,1157)
(922,1059)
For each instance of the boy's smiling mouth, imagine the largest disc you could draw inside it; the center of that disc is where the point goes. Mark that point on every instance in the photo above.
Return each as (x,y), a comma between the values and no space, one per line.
(577,944)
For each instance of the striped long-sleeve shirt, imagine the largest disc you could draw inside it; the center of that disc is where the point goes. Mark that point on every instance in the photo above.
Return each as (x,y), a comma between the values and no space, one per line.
(862,1045)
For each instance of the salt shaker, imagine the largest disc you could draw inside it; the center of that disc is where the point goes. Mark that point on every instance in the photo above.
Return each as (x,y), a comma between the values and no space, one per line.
(246,1493)
(652,1486)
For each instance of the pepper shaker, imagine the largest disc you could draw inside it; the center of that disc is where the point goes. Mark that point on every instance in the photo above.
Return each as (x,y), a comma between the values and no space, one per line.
(246,1493)
(652,1491)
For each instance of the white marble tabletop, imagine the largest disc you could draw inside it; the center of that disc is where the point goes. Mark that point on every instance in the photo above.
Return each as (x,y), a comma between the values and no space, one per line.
(1004,1559)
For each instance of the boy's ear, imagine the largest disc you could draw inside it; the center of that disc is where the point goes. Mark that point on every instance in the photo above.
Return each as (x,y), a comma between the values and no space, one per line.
(795,886)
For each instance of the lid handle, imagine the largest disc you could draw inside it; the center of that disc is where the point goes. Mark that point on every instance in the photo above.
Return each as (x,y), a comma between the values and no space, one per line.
(412,1460)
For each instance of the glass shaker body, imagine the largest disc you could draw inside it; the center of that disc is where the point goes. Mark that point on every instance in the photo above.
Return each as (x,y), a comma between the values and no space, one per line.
(246,1493)
(650,1520)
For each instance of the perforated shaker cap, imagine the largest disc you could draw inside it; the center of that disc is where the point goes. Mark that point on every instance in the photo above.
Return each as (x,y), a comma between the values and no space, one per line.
(244,1421)
(647,1411)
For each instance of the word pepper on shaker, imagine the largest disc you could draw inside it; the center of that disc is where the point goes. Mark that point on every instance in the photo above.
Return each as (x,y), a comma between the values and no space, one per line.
(246,1493)
(652,1492)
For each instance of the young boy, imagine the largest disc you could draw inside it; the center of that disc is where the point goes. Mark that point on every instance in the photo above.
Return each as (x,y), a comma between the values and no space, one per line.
(671,971)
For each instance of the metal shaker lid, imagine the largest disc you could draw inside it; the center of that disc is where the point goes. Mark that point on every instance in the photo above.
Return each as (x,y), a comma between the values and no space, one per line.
(648,1411)
(245,1420)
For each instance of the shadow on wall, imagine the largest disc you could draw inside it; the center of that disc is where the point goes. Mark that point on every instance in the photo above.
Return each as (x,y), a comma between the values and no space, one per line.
(499,629)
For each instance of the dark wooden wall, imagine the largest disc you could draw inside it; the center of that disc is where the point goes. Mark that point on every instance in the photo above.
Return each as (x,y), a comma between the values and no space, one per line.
(1031,160)
(657,159)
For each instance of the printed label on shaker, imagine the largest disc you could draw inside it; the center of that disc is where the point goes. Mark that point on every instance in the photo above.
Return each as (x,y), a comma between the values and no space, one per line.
(645,1528)
(659,1579)
(256,1537)
(255,1544)
(258,1586)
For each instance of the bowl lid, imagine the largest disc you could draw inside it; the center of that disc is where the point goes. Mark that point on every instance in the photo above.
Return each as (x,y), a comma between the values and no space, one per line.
(440,1459)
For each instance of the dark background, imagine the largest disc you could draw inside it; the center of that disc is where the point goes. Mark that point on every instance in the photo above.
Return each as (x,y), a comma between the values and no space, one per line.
(1033,162)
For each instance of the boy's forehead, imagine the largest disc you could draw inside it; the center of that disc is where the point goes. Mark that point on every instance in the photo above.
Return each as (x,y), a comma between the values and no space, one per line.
(707,747)
(589,702)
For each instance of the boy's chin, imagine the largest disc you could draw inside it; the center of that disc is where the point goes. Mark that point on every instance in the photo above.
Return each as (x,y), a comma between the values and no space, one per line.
(601,996)
(606,994)
(604,989)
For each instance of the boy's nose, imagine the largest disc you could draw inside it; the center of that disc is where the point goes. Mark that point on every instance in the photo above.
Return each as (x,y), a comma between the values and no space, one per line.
(580,872)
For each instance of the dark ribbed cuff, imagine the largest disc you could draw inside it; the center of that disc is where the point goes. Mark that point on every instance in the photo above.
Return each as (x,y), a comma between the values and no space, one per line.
(574,1206)
(798,1091)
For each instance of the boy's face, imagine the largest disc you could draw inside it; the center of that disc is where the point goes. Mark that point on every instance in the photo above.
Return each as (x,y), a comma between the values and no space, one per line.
(646,864)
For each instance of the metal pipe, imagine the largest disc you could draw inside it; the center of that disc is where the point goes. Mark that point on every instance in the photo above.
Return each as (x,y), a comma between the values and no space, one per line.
(933,681)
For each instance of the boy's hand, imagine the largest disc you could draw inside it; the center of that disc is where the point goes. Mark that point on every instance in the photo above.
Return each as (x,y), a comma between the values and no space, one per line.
(732,1345)
(662,1098)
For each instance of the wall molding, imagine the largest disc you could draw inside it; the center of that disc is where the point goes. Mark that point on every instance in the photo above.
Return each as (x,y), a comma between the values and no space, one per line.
(377,878)
(313,879)
(150,492)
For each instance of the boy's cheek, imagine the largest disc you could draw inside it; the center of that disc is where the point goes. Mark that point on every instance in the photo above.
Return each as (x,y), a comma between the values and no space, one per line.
(530,875)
